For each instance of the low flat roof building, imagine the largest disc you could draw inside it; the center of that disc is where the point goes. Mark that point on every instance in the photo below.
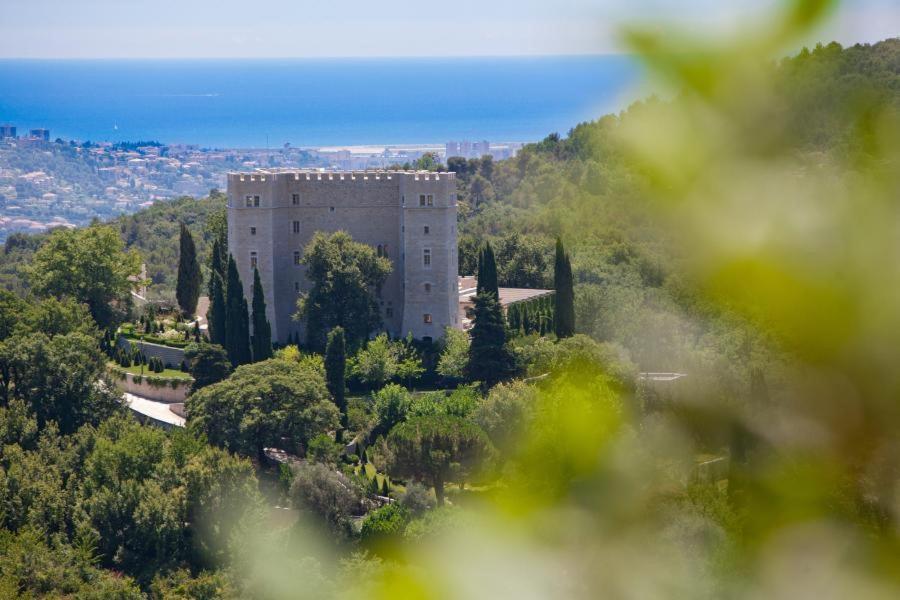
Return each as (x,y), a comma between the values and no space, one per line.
(468,285)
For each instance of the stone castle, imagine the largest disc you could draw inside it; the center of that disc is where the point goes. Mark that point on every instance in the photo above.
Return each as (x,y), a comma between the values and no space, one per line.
(407,216)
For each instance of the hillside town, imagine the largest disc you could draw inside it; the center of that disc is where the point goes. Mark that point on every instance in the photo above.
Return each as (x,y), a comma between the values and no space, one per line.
(47,183)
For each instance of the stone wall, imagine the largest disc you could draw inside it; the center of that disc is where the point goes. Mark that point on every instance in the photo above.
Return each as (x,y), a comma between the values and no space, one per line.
(171,357)
(140,386)
(376,208)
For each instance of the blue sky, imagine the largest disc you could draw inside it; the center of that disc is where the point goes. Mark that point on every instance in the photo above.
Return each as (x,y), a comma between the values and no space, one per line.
(297,28)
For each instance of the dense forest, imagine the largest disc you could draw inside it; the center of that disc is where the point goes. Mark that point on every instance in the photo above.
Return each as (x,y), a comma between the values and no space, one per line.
(582,479)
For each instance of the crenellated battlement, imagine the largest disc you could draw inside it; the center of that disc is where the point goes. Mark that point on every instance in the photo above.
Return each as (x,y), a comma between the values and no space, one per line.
(274,176)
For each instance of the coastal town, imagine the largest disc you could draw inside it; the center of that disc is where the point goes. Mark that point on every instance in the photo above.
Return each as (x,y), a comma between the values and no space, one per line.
(50,182)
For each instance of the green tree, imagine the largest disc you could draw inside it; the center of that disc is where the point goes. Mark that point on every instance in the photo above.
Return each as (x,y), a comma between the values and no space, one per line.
(237,323)
(506,413)
(323,449)
(564,313)
(320,490)
(384,525)
(376,363)
(262,330)
(222,501)
(430,448)
(336,371)
(207,364)
(217,315)
(391,407)
(264,404)
(487,272)
(345,276)
(490,359)
(58,378)
(187,289)
(454,355)
(218,259)
(89,265)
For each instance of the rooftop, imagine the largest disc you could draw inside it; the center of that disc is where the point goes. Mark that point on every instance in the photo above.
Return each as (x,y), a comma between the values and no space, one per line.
(468,285)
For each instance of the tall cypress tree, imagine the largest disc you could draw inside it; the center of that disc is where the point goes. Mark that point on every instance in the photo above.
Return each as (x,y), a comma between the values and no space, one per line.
(479,283)
(490,359)
(218,263)
(262,330)
(187,290)
(237,321)
(564,308)
(216,316)
(335,371)
(489,272)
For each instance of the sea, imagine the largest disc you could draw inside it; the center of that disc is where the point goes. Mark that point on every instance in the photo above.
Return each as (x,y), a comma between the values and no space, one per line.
(313,102)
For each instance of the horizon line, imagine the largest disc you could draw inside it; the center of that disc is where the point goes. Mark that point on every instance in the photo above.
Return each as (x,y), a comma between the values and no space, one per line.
(323,57)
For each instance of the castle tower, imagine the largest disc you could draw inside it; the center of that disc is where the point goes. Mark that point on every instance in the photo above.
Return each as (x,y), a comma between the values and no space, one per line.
(409,217)
(429,246)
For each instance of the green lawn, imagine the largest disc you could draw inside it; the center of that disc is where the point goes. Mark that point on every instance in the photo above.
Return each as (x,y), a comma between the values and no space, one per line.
(167,374)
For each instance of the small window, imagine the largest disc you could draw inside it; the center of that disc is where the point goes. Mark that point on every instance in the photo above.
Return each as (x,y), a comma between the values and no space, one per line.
(296,257)
(380,250)
(427,288)
(253,260)
(253,231)
(295,226)
(295,199)
(427,318)
(331,208)
(430,200)
(248,201)
(426,257)
(421,199)
(427,230)
(255,201)
(389,312)
(297,286)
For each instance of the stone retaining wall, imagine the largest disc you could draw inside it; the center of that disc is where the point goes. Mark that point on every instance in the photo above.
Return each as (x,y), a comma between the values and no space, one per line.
(171,357)
(159,393)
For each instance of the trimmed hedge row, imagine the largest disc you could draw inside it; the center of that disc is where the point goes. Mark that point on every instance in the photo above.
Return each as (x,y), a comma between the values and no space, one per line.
(156,382)
(181,344)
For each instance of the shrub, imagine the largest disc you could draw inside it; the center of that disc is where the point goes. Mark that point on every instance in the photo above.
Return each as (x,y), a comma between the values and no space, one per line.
(385,523)
(416,499)
(322,449)
(320,490)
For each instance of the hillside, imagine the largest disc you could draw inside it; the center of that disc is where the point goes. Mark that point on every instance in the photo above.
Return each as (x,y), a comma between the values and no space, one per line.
(154,233)
(586,188)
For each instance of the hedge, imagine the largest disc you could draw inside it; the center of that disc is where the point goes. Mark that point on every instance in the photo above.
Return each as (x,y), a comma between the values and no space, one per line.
(156,382)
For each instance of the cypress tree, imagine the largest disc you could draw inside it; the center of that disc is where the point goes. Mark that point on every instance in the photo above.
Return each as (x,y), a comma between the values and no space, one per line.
(237,321)
(489,272)
(512,317)
(335,370)
(385,487)
(564,309)
(218,262)
(187,289)
(262,330)
(479,283)
(216,315)
(490,360)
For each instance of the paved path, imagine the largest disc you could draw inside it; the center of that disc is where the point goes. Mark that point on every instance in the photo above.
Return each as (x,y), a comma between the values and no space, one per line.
(157,411)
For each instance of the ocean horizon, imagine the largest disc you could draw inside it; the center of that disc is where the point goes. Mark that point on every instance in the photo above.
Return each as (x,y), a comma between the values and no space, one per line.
(238,103)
